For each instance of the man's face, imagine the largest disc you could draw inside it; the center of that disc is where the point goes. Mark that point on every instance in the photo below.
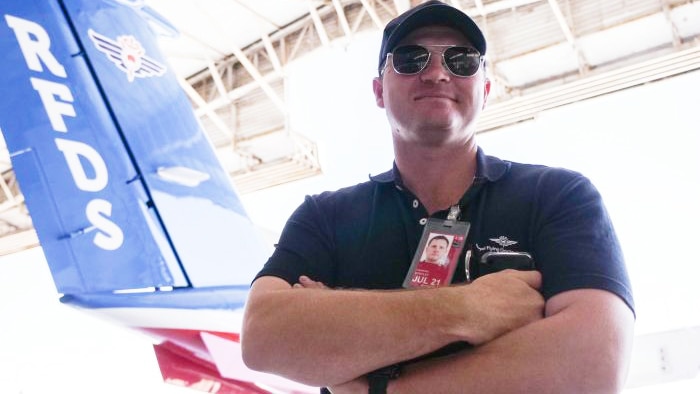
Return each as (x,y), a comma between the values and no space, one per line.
(436,250)
(433,107)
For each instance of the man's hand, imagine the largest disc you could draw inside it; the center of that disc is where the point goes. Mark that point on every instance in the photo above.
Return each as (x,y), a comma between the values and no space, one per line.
(581,346)
(499,303)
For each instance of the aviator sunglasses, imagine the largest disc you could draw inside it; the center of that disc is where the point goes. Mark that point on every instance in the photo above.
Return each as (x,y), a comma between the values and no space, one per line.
(412,59)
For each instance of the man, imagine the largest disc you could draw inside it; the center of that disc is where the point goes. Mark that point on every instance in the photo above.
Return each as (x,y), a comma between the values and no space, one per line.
(565,328)
(436,251)
(433,269)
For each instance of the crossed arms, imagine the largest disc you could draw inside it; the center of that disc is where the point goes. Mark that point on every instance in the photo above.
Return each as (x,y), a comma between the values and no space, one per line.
(578,341)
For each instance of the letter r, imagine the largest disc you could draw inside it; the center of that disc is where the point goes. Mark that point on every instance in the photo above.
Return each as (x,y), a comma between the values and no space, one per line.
(35,49)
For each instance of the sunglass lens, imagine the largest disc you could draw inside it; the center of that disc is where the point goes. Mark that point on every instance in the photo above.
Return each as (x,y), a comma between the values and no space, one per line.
(410,59)
(462,61)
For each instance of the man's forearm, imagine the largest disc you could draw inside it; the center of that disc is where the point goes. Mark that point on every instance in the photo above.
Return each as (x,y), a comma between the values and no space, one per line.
(582,348)
(325,337)
(322,337)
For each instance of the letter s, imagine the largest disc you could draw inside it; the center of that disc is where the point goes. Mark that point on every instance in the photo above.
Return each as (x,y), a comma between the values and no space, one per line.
(110,236)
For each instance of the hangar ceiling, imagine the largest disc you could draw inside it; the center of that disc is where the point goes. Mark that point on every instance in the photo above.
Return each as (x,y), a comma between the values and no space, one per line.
(230,56)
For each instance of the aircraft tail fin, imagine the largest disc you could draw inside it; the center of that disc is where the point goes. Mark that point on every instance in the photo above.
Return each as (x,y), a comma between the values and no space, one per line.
(122,184)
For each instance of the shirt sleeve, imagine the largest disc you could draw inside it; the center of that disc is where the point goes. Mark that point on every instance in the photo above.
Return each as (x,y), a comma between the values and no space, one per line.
(305,246)
(576,244)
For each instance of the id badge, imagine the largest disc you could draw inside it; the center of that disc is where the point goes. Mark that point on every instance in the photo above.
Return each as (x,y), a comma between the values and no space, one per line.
(436,258)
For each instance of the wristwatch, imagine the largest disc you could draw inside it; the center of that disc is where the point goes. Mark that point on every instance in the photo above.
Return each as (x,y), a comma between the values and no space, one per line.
(379,379)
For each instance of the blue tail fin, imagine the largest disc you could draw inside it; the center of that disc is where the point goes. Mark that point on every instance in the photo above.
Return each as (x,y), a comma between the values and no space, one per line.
(122,185)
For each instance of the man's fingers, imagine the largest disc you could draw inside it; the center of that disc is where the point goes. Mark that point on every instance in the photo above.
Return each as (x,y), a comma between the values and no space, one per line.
(308,283)
(532,278)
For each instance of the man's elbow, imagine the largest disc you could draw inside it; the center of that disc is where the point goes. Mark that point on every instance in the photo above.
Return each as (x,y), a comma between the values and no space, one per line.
(252,352)
(608,377)
(607,370)
(600,331)
(258,332)
(601,384)
(260,353)
(251,358)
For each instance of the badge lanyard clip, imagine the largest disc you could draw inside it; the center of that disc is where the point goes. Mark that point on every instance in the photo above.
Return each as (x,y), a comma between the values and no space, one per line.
(455,210)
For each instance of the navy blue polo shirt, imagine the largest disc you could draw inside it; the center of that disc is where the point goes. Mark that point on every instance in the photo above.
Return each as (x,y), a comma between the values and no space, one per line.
(365,236)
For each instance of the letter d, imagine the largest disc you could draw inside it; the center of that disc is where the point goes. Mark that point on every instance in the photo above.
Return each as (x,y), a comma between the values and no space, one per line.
(72,150)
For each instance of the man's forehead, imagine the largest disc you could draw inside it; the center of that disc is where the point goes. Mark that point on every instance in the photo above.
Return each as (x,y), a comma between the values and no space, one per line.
(444,34)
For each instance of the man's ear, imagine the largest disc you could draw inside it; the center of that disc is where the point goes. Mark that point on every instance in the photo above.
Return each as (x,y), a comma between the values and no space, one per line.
(378,88)
(487,89)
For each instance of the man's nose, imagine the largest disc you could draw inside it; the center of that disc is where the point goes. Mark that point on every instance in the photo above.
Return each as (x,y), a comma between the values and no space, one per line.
(435,71)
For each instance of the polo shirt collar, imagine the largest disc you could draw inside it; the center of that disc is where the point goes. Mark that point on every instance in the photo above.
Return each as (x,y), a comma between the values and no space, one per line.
(488,168)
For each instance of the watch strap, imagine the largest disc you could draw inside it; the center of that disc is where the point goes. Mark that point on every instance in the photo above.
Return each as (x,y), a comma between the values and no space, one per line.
(378,384)
(379,380)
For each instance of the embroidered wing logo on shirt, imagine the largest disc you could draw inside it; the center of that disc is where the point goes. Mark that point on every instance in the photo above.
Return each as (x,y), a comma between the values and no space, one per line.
(503,241)
(128,55)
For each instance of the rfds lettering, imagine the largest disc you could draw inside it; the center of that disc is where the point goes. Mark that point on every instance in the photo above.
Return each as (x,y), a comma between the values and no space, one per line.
(57,99)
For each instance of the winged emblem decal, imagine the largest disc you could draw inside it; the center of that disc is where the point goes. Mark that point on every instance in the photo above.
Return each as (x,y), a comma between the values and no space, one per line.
(128,55)
(503,241)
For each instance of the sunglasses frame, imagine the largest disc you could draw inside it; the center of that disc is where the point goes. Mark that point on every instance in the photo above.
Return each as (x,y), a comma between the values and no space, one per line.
(430,53)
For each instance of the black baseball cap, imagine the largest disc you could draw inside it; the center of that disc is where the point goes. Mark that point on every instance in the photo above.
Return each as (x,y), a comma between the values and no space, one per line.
(428,14)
